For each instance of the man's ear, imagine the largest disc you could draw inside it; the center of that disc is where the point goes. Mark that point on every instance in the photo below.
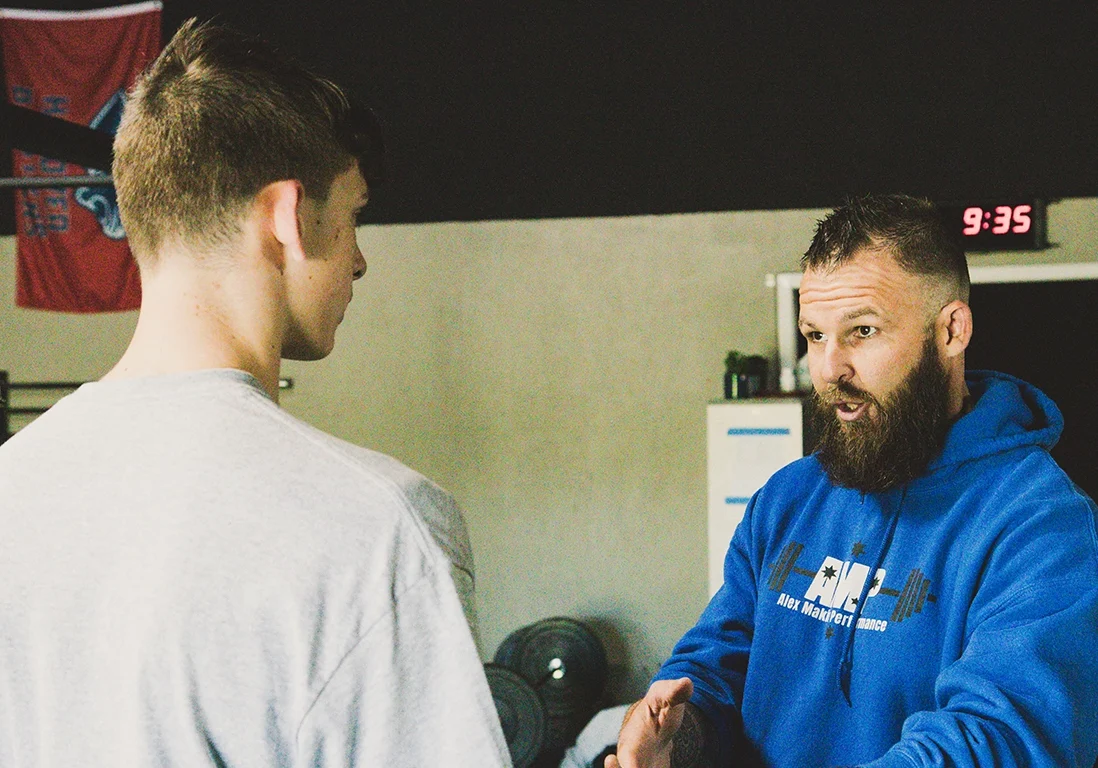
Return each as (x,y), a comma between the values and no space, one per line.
(955,324)
(281,203)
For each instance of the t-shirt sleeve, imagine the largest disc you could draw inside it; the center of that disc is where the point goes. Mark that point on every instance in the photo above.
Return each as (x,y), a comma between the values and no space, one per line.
(443,518)
(409,692)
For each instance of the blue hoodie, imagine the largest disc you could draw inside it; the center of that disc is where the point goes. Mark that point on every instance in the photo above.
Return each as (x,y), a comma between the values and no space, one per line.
(953,621)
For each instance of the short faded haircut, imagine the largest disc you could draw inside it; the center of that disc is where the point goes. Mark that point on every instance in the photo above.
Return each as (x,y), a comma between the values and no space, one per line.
(217,117)
(910,228)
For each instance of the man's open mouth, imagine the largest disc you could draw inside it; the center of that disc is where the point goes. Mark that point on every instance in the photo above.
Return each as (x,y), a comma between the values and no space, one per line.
(849,410)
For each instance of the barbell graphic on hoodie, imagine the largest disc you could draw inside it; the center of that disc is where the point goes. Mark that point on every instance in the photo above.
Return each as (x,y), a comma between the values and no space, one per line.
(839,583)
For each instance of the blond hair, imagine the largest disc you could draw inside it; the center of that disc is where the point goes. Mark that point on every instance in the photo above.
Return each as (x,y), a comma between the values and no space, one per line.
(217,117)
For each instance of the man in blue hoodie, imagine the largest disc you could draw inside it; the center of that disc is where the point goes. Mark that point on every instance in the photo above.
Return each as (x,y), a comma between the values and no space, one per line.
(923,589)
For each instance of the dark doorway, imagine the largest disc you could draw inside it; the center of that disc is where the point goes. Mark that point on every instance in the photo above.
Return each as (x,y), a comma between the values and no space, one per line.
(1041,332)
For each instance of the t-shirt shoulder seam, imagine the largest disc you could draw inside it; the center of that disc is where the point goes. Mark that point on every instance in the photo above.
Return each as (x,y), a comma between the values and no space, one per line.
(328,444)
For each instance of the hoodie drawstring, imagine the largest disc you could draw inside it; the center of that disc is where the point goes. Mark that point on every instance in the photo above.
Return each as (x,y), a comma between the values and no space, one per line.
(847,665)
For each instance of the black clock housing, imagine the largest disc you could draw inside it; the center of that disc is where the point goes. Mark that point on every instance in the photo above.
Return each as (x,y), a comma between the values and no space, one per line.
(998,224)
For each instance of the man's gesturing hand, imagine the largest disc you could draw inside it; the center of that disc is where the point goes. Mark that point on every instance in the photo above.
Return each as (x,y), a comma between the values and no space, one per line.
(645,737)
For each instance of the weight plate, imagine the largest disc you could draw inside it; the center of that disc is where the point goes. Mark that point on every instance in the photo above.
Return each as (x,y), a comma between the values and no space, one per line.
(521,714)
(505,654)
(564,662)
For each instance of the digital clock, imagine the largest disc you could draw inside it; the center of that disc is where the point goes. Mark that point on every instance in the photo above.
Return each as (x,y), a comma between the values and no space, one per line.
(998,225)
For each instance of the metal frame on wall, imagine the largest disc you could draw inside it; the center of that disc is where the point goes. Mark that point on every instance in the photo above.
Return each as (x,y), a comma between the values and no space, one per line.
(7,410)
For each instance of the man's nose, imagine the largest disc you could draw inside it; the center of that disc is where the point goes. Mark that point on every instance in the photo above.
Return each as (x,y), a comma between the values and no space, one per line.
(360,263)
(835,363)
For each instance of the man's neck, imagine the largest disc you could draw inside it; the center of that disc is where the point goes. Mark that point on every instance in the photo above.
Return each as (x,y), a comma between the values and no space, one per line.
(960,401)
(193,319)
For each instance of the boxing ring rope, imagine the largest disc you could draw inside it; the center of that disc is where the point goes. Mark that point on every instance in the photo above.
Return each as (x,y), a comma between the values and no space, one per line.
(38,182)
(6,410)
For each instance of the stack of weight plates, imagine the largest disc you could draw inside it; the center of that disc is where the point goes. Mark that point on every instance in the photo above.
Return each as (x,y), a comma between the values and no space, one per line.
(565,664)
(521,714)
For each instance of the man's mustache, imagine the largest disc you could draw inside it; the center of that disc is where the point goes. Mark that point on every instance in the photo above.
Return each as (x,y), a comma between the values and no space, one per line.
(843,390)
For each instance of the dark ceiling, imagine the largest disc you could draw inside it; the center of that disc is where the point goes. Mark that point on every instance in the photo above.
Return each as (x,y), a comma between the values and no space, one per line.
(530,110)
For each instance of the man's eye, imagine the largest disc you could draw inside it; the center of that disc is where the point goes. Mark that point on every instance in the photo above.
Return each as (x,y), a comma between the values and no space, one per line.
(865,331)
(813,336)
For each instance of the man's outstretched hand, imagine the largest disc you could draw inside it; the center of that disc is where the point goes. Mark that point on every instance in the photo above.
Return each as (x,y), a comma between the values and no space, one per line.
(645,740)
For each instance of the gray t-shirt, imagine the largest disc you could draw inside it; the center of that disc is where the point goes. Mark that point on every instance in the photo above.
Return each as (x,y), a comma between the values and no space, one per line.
(189,575)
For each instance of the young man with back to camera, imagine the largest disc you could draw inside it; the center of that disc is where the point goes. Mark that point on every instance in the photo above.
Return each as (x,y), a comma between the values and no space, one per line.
(923,589)
(189,574)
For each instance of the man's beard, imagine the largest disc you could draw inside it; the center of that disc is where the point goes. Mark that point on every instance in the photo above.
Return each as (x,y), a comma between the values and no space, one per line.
(895,447)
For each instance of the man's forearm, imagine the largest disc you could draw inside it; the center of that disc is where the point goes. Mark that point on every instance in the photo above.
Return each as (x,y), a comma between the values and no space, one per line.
(695,743)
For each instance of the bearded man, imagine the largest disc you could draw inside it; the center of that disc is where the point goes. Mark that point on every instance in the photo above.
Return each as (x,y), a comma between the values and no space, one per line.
(923,589)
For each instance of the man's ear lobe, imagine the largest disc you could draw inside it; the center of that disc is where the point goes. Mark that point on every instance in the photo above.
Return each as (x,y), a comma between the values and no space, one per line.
(284,200)
(956,320)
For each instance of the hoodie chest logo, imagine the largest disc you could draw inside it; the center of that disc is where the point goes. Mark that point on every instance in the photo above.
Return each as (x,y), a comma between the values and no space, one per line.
(837,587)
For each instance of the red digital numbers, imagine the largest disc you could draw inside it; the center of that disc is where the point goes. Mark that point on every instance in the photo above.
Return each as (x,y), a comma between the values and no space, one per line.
(973,217)
(1021,219)
(1006,219)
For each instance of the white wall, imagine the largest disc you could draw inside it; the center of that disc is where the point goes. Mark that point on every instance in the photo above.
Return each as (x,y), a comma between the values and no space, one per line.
(554,376)
(53,346)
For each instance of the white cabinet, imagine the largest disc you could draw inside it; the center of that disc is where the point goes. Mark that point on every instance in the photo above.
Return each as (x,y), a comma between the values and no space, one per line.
(748,440)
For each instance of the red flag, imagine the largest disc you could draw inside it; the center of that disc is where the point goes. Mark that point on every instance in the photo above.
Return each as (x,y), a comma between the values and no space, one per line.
(76,65)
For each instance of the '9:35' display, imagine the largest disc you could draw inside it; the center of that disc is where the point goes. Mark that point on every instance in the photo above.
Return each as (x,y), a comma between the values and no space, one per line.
(1005,219)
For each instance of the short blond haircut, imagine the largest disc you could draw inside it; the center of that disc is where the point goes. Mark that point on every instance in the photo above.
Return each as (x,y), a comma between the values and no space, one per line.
(217,117)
